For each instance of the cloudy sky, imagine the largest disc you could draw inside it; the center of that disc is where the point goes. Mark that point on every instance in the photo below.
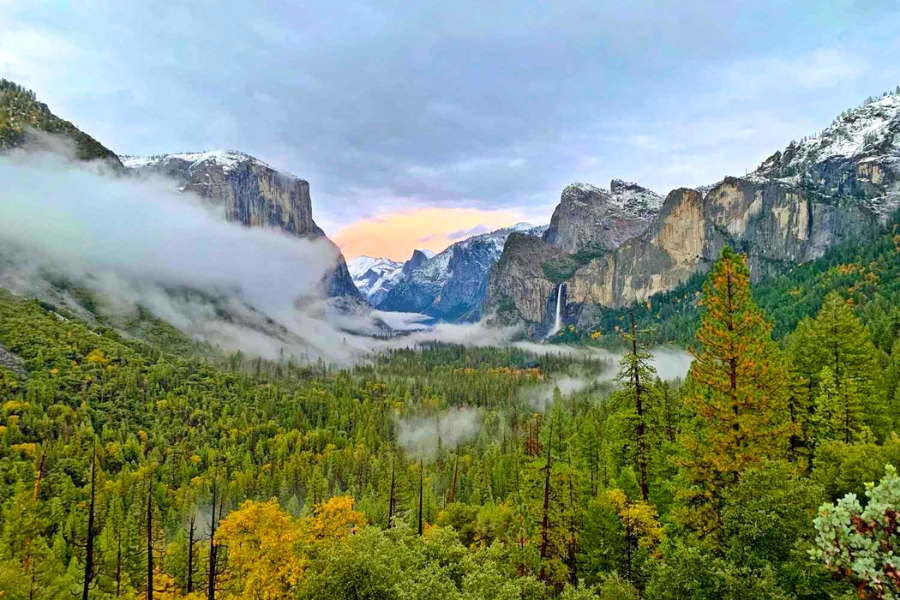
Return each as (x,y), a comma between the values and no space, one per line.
(416,122)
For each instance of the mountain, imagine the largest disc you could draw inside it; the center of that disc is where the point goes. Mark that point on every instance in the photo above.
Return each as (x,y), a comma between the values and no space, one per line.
(450,286)
(23,118)
(838,185)
(251,192)
(417,259)
(374,277)
(589,217)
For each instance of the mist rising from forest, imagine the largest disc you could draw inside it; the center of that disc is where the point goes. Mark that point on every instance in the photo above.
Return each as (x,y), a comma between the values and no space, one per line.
(138,242)
(421,436)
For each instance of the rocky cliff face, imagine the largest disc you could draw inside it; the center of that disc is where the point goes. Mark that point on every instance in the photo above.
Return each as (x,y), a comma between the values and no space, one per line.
(817,193)
(517,289)
(451,285)
(415,262)
(251,192)
(588,217)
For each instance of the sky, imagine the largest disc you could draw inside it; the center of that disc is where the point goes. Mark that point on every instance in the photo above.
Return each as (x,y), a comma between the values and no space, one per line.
(416,121)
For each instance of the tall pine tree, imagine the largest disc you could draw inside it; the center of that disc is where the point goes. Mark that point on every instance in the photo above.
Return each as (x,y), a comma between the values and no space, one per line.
(738,394)
(636,376)
(845,346)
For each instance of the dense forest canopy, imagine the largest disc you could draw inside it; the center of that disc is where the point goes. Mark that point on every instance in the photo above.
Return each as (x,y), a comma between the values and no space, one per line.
(138,464)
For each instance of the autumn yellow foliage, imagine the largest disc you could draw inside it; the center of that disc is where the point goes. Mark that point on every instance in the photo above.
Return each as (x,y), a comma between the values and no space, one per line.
(262,545)
(335,519)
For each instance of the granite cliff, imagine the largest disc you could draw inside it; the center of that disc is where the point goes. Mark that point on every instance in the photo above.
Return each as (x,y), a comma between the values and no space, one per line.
(251,193)
(589,217)
(826,189)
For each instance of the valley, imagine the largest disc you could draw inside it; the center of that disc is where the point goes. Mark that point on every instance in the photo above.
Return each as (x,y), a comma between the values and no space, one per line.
(650,397)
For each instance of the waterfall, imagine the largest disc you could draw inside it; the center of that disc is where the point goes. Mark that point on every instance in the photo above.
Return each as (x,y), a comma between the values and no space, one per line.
(557,323)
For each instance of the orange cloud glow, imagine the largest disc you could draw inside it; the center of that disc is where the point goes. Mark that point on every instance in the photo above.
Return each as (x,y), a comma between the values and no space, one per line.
(395,235)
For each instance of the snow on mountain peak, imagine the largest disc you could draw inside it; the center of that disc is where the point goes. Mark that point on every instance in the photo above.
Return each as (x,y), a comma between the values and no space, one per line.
(622,196)
(228,160)
(866,132)
(374,277)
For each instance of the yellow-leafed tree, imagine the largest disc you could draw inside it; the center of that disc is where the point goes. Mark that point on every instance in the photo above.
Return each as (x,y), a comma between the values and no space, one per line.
(263,556)
(335,518)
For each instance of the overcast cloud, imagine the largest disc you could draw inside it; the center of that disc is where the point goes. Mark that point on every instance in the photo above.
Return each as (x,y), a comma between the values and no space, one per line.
(392,106)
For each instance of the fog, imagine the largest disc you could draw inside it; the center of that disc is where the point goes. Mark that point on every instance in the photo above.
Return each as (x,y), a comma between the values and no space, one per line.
(71,214)
(139,242)
(670,364)
(420,436)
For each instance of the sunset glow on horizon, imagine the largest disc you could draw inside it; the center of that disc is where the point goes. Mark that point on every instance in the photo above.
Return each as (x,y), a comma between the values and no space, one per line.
(395,235)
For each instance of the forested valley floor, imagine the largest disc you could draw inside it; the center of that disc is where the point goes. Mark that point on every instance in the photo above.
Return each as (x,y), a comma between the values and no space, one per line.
(151,469)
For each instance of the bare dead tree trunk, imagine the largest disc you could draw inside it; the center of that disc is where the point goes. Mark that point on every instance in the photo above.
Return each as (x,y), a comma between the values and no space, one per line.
(89,551)
(452,497)
(393,500)
(118,564)
(150,539)
(421,487)
(190,565)
(213,549)
(639,408)
(573,542)
(545,523)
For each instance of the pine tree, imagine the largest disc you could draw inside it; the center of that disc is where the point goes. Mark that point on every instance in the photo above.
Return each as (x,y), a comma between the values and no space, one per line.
(839,409)
(636,374)
(843,344)
(738,395)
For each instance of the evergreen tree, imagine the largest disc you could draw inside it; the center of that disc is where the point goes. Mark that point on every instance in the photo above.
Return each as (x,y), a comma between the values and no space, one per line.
(839,409)
(636,376)
(844,345)
(738,395)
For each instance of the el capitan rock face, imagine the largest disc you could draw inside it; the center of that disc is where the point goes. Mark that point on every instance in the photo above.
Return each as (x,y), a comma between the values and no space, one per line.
(822,191)
(251,192)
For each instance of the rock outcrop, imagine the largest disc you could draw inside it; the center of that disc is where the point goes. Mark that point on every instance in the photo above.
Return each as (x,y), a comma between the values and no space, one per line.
(588,217)
(819,192)
(251,193)
(517,290)
(451,286)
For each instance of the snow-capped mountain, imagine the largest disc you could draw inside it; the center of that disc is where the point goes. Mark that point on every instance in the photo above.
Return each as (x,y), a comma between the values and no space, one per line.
(250,192)
(375,277)
(863,141)
(450,285)
(228,160)
(839,185)
(590,217)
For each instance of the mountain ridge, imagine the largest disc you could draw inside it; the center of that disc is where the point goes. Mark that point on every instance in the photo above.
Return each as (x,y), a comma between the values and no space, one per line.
(22,115)
(813,195)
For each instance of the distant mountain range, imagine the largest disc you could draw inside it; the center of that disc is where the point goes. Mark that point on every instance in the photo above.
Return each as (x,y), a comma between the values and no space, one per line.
(448,286)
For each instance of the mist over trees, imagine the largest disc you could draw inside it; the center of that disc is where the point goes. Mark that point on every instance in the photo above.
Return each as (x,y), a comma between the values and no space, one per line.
(152,470)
